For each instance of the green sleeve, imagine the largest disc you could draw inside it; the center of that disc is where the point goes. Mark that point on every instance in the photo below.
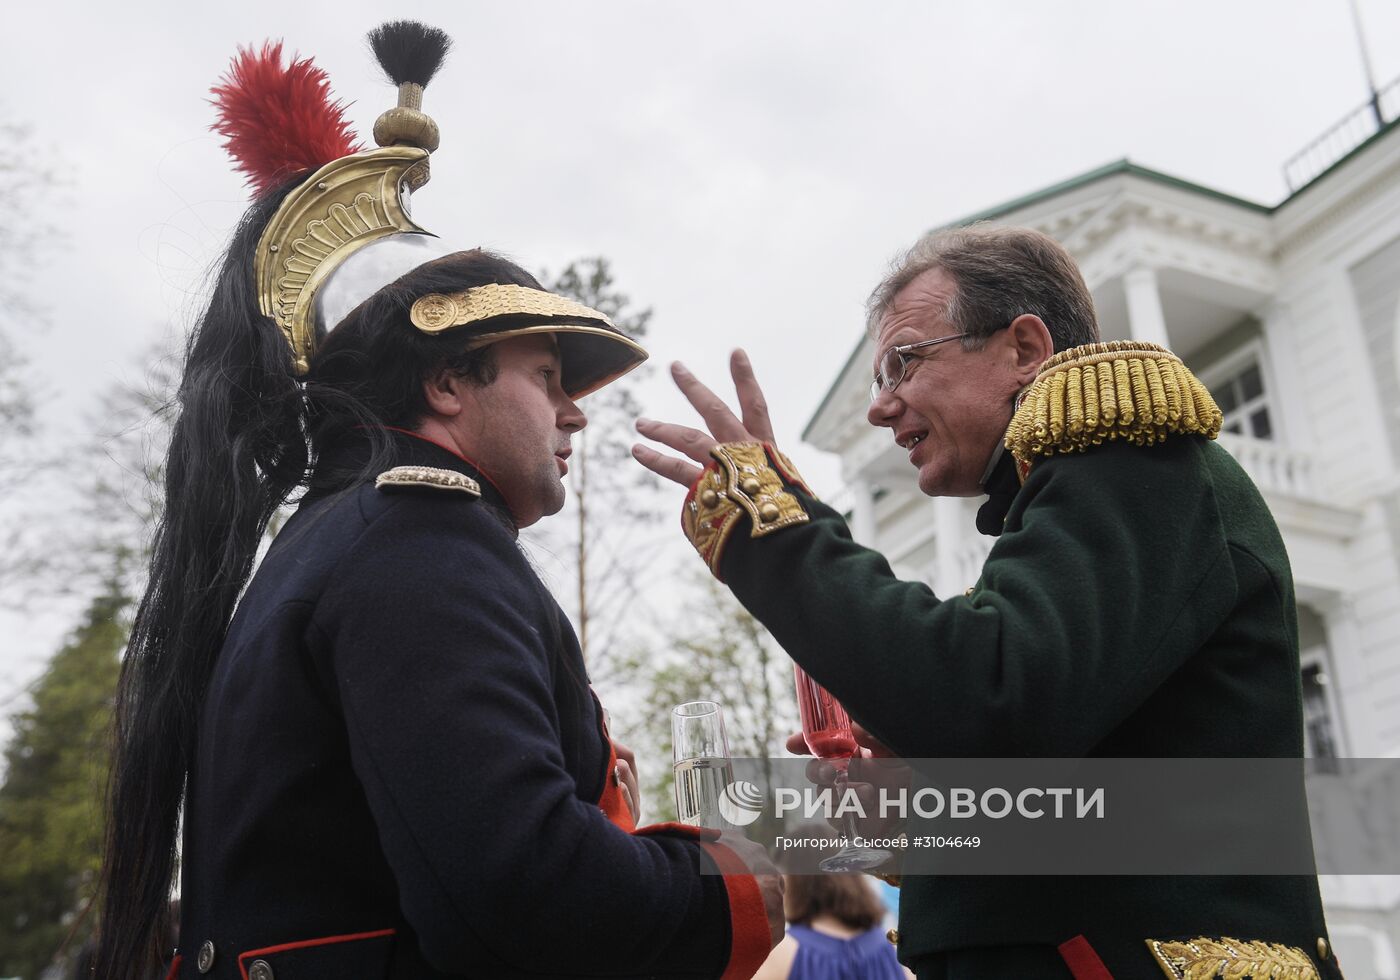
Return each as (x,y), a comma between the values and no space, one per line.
(1113,569)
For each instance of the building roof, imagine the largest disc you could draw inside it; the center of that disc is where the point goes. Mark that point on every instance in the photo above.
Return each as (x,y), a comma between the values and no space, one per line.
(1123,167)
(1117,167)
(1127,167)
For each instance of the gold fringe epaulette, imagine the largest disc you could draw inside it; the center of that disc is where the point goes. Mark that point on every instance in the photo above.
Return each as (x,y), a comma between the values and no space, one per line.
(1122,389)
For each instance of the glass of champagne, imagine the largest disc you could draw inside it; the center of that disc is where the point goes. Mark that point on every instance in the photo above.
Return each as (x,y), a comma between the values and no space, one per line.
(700,762)
(827,730)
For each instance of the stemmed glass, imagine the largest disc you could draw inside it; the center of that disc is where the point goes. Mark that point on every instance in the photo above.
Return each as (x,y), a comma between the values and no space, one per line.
(827,730)
(700,762)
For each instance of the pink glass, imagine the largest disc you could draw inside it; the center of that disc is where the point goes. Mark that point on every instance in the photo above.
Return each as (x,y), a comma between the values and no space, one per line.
(826,727)
(825,724)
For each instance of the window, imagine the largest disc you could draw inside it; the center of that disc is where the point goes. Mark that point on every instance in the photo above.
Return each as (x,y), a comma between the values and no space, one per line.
(1241,396)
(1319,729)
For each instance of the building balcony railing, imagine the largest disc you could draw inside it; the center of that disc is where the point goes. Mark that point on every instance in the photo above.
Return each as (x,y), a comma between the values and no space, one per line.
(1355,128)
(1274,469)
(903,525)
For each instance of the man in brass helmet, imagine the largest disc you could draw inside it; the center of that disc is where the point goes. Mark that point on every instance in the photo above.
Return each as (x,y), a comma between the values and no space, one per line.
(1137,602)
(384,754)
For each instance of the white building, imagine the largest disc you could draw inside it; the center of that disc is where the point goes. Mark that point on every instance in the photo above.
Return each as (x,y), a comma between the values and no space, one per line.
(1290,314)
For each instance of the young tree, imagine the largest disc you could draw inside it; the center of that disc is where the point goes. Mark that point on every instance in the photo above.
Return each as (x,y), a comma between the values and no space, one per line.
(607,564)
(26,178)
(123,501)
(18,562)
(50,802)
(715,651)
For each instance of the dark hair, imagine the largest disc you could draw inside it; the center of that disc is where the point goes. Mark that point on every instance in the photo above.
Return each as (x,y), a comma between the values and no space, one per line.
(246,436)
(1000,274)
(848,898)
(845,897)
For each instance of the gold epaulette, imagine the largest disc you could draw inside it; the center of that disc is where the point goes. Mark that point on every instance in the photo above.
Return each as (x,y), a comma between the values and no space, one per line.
(427,476)
(1096,393)
(1226,958)
(746,479)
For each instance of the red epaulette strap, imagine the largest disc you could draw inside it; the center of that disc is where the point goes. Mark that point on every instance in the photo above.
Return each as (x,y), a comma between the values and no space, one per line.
(1082,960)
(750,938)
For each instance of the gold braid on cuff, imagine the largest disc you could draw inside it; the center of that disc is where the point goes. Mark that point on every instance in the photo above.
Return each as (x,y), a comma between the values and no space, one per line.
(746,479)
(1209,958)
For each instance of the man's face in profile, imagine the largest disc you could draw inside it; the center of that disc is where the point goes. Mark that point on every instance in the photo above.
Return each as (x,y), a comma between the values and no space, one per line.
(953,405)
(517,428)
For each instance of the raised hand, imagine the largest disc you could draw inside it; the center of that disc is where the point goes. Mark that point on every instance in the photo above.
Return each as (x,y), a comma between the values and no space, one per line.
(723,425)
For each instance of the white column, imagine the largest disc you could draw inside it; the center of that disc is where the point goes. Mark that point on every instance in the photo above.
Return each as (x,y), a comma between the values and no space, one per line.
(1145,319)
(1360,728)
(1288,397)
(863,524)
(949,530)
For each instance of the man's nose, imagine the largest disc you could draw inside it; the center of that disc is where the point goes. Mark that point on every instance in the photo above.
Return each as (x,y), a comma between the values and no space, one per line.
(884,409)
(571,417)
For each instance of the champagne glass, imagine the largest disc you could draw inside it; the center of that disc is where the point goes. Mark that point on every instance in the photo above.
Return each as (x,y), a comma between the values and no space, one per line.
(700,762)
(827,730)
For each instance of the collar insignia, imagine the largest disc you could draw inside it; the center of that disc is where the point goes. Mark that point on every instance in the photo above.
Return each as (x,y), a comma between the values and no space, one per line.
(427,476)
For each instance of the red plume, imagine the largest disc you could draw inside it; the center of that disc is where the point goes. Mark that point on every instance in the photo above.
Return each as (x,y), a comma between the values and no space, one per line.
(279,121)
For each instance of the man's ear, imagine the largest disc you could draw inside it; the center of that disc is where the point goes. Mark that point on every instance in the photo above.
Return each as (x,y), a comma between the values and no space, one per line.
(1030,345)
(443,393)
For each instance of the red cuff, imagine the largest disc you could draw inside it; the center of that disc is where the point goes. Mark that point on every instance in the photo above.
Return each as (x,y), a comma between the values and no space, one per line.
(684,829)
(786,470)
(750,938)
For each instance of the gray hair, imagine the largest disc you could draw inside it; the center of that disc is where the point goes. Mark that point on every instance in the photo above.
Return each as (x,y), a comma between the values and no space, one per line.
(999,274)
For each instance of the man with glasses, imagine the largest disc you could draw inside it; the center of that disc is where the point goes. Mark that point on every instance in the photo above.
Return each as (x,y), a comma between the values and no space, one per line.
(1137,603)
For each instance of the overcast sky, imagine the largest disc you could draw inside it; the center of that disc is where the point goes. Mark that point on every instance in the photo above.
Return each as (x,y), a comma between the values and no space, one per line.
(749,168)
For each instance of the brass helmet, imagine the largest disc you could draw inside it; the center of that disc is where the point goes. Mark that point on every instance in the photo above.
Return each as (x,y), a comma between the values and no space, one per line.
(345,231)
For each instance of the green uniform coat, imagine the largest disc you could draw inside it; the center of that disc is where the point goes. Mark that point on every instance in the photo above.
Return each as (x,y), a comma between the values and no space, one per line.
(1137,603)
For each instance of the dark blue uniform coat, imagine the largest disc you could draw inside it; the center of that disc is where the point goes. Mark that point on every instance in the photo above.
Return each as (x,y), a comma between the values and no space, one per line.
(400,764)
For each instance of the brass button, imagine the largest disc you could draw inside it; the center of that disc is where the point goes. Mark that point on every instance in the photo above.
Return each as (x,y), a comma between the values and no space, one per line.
(709,498)
(893,937)
(750,486)
(205,961)
(769,513)
(260,970)
(1323,950)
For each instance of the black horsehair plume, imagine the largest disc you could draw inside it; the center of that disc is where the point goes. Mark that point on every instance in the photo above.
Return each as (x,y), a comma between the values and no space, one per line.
(409,51)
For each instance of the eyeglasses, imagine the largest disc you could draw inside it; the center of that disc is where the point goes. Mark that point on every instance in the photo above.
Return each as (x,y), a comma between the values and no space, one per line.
(894,364)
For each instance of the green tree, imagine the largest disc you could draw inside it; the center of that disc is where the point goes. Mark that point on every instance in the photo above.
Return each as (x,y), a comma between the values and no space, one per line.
(56,761)
(50,802)
(607,561)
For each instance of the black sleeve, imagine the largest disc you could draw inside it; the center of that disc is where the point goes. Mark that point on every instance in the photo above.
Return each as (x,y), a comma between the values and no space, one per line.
(439,650)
